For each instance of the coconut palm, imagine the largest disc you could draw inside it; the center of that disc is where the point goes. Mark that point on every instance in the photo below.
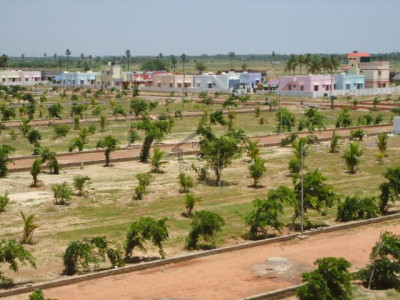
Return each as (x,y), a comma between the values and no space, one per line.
(128,56)
(67,53)
(300,61)
(383,143)
(257,169)
(157,160)
(36,168)
(29,228)
(314,66)
(352,157)
(253,148)
(232,56)
(174,61)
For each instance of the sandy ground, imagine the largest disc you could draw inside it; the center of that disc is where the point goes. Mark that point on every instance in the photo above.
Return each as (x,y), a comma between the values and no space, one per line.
(185,146)
(230,275)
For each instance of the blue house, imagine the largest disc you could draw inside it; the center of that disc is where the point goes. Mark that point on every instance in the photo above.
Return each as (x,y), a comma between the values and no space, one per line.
(350,82)
(77,79)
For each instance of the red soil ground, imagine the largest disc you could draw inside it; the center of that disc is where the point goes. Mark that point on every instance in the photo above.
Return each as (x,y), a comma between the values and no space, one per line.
(230,275)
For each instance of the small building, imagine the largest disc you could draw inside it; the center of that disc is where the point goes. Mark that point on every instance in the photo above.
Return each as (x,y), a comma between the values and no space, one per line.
(250,81)
(350,82)
(110,76)
(223,81)
(169,80)
(50,76)
(306,83)
(18,77)
(77,79)
(375,70)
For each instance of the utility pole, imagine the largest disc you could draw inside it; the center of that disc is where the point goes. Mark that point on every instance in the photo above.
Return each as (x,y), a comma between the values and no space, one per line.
(302,189)
(280,108)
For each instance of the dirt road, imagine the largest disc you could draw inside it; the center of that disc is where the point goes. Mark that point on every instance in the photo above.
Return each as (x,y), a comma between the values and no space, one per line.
(70,159)
(230,275)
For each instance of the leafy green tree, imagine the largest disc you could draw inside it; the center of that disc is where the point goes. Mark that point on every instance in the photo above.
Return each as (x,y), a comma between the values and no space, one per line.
(219,152)
(217,117)
(76,143)
(35,170)
(231,118)
(103,123)
(128,56)
(314,119)
(25,127)
(62,193)
(29,228)
(266,213)
(286,118)
(352,157)
(144,180)
(257,170)
(200,67)
(174,61)
(5,153)
(186,182)
(383,271)
(91,251)
(318,196)
(34,137)
(357,134)
(190,201)
(356,208)
(133,136)
(80,181)
(55,111)
(334,143)
(157,160)
(4,200)
(146,229)
(109,144)
(14,254)
(38,295)
(204,224)
(331,280)
(61,130)
(8,113)
(390,191)
(51,158)
(344,119)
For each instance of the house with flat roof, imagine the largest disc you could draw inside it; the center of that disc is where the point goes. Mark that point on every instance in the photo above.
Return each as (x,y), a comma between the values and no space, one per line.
(110,76)
(306,83)
(375,70)
(77,79)
(169,80)
(350,82)
(18,77)
(250,81)
(223,81)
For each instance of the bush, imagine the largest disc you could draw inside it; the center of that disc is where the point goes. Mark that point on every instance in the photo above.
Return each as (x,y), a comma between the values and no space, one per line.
(4,201)
(390,191)
(356,208)
(62,193)
(146,229)
(186,182)
(61,130)
(38,295)
(331,280)
(5,153)
(91,251)
(384,269)
(357,134)
(79,184)
(144,181)
(289,139)
(295,166)
(312,139)
(190,201)
(334,143)
(204,224)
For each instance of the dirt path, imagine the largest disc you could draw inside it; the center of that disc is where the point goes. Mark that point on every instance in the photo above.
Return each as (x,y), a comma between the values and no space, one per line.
(230,275)
(76,158)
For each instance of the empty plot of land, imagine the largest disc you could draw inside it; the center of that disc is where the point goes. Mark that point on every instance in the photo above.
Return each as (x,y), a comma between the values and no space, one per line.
(231,275)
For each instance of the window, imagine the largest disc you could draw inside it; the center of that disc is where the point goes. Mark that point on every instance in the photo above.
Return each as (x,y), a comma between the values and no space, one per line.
(302,88)
(170,85)
(26,79)
(4,80)
(334,86)
(315,88)
(82,82)
(379,73)
(179,85)
(348,86)
(210,85)
(159,84)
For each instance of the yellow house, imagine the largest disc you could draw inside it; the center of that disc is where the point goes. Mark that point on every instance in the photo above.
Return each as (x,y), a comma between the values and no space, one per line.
(169,80)
(110,76)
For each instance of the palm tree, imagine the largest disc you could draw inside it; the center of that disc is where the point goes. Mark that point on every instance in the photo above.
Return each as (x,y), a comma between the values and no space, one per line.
(82,56)
(307,61)
(79,183)
(67,53)
(60,62)
(109,144)
(325,63)
(156,160)
(253,148)
(257,169)
(29,228)
(36,168)
(90,59)
(383,143)
(174,61)
(232,56)
(128,56)
(314,65)
(352,157)
(300,61)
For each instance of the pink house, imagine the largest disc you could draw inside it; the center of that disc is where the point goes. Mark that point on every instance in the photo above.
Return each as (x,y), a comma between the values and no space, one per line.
(306,83)
(30,77)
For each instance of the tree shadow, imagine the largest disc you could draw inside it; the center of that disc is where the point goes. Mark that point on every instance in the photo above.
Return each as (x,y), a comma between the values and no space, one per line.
(249,237)
(140,259)
(258,186)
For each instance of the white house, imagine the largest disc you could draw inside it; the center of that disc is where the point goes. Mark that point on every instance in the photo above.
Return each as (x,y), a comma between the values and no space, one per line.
(224,81)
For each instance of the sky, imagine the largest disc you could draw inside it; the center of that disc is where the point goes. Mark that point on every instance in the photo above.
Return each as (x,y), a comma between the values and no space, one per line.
(195,27)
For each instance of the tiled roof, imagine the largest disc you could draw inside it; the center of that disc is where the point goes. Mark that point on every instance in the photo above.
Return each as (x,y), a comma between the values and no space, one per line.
(358,54)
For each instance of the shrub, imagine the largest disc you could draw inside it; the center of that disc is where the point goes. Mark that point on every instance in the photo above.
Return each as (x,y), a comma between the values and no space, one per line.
(356,208)
(312,139)
(331,280)
(91,251)
(352,157)
(61,130)
(4,200)
(204,224)
(29,228)
(133,136)
(357,134)
(190,201)
(289,139)
(257,169)
(146,229)
(38,295)
(186,182)
(79,184)
(157,160)
(144,181)
(334,143)
(390,191)
(76,143)
(62,193)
